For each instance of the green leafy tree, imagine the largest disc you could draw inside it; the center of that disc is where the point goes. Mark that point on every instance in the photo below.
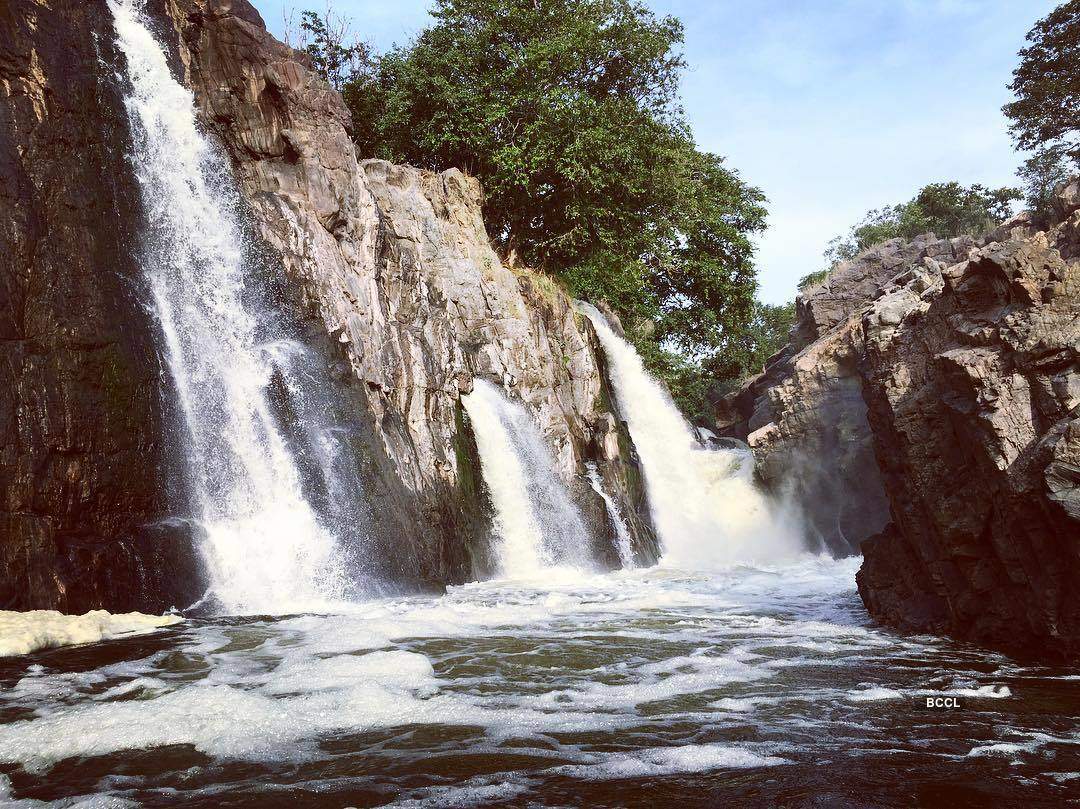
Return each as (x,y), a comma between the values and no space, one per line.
(766,333)
(695,387)
(1042,174)
(568,113)
(1047,84)
(327,39)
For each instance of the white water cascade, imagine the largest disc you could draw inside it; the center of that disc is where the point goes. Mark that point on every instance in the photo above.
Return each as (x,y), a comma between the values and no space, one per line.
(623,543)
(264,546)
(536,524)
(704,503)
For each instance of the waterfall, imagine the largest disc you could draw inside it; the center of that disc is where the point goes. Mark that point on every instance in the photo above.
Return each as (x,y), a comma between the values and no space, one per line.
(705,504)
(623,543)
(264,546)
(535,523)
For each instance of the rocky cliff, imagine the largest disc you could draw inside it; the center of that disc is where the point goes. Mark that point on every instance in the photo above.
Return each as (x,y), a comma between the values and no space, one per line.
(805,416)
(383,273)
(959,371)
(84,471)
(396,276)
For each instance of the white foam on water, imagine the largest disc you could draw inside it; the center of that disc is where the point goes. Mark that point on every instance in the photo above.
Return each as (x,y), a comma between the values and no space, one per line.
(632,674)
(1009,749)
(705,505)
(101,801)
(477,793)
(25,632)
(740,705)
(650,762)
(874,694)
(265,548)
(659,681)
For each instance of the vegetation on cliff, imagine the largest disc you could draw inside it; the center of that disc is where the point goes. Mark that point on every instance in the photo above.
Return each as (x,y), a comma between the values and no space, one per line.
(944,209)
(1045,116)
(568,112)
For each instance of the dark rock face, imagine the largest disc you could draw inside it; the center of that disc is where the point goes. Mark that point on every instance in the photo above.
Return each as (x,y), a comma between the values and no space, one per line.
(937,419)
(83,473)
(972,379)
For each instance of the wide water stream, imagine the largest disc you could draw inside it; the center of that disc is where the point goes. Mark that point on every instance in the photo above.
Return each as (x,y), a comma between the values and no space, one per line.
(639,688)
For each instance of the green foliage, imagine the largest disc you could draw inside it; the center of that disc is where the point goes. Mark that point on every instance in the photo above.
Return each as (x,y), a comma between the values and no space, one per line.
(945,209)
(766,333)
(568,113)
(694,385)
(815,278)
(1042,174)
(1047,84)
(326,40)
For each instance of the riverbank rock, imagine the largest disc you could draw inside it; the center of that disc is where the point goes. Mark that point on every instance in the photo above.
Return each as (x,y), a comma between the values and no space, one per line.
(960,374)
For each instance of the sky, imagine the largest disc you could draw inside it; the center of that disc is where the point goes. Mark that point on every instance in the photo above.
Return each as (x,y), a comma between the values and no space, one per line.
(831,107)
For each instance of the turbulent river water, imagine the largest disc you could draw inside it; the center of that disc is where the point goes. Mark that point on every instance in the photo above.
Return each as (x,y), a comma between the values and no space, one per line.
(638,688)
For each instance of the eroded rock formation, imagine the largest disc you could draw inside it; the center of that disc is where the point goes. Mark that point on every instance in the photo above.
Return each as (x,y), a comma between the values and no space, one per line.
(960,373)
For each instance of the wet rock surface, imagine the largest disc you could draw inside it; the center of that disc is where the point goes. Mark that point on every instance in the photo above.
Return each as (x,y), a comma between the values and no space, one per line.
(85,482)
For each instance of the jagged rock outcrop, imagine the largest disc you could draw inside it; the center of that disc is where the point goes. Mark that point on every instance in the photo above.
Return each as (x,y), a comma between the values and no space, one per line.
(805,416)
(398,277)
(84,472)
(961,373)
(973,386)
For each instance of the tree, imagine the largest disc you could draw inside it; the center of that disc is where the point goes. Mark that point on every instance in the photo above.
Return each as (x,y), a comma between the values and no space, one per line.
(568,113)
(944,209)
(1042,174)
(1047,84)
(328,40)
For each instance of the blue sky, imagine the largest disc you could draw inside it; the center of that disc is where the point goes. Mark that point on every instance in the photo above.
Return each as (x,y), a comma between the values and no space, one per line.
(832,107)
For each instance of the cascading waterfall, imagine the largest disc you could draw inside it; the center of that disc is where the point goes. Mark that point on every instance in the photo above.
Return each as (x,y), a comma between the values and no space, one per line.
(704,503)
(535,522)
(264,546)
(623,544)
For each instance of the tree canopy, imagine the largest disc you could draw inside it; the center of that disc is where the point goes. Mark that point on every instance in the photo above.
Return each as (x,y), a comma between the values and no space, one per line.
(1047,84)
(568,112)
